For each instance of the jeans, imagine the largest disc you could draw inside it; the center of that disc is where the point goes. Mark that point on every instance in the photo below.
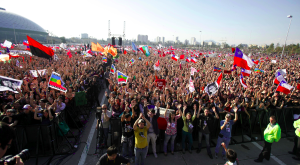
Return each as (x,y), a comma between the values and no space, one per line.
(127,147)
(200,134)
(226,140)
(140,154)
(190,139)
(167,138)
(103,135)
(266,152)
(152,137)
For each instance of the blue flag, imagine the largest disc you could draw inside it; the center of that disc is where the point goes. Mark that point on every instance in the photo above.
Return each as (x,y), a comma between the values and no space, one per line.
(7,50)
(134,47)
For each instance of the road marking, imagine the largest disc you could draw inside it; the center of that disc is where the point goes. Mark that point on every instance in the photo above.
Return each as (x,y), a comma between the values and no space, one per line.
(260,147)
(89,140)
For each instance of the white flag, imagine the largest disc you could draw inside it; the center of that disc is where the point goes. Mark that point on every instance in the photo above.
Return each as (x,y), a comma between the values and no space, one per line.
(193,70)
(7,44)
(42,72)
(34,73)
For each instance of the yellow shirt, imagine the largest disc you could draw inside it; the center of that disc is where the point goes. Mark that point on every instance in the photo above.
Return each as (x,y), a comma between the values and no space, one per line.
(141,137)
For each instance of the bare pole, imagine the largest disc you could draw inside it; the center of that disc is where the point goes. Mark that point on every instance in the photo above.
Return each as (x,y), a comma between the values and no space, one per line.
(289,16)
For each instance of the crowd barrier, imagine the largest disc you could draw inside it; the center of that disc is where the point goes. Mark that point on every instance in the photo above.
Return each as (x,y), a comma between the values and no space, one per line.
(246,129)
(51,140)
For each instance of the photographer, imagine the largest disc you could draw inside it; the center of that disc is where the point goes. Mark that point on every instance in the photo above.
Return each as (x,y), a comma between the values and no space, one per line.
(112,157)
(7,135)
(105,116)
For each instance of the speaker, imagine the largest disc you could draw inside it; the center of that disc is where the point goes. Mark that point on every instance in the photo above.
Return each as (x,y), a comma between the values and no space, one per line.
(113,42)
(120,41)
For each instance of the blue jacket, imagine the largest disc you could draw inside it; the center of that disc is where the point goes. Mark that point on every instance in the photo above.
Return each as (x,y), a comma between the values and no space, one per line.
(154,119)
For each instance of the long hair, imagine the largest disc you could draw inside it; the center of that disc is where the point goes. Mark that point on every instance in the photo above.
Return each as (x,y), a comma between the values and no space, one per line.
(170,116)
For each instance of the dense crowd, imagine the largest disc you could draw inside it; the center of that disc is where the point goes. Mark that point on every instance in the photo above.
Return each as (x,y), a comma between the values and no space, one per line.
(138,102)
(160,82)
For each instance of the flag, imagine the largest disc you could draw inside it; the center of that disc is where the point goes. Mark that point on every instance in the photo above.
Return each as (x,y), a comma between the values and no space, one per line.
(94,47)
(122,78)
(25,42)
(233,68)
(227,71)
(193,70)
(134,47)
(17,63)
(187,59)
(131,61)
(233,50)
(242,60)
(284,88)
(255,61)
(7,44)
(279,78)
(112,69)
(56,82)
(256,70)
(39,50)
(157,63)
(145,49)
(55,57)
(216,69)
(181,57)
(174,57)
(242,81)
(298,86)
(280,72)
(193,60)
(69,54)
(113,51)
(191,85)
(125,52)
(212,88)
(245,72)
(99,48)
(104,59)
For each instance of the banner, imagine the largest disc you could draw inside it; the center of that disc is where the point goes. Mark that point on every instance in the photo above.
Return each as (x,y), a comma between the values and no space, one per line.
(34,73)
(42,72)
(211,89)
(10,84)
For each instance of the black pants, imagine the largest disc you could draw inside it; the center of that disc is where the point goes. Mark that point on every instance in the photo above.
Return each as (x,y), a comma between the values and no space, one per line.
(296,145)
(266,152)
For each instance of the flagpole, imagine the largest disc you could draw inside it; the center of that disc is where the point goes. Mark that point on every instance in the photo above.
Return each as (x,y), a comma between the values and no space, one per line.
(15,34)
(289,16)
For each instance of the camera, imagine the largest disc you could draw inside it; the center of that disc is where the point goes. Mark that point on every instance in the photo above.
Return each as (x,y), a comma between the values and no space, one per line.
(98,112)
(11,160)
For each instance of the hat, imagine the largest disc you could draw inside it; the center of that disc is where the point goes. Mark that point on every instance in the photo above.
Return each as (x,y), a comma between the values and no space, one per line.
(141,121)
(11,110)
(26,106)
(228,115)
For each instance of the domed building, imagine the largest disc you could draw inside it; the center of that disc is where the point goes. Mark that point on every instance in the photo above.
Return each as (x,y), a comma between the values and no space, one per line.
(14,28)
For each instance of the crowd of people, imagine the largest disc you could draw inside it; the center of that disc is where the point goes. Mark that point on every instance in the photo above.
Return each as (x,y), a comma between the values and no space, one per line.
(154,82)
(159,81)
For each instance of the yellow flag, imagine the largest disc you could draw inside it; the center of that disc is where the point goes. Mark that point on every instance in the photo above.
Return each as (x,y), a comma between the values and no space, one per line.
(99,47)
(113,51)
(94,47)
(105,50)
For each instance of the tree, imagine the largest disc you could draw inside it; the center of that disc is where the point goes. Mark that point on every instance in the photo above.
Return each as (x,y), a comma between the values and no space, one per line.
(63,39)
(271,48)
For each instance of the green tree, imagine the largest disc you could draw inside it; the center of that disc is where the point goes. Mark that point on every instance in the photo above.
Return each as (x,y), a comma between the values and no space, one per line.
(271,48)
(63,39)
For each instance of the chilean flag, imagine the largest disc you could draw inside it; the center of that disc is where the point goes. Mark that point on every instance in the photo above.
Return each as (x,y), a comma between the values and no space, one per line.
(219,80)
(242,81)
(216,69)
(245,72)
(284,87)
(193,60)
(157,64)
(242,60)
(279,79)
(255,61)
(174,57)
(187,59)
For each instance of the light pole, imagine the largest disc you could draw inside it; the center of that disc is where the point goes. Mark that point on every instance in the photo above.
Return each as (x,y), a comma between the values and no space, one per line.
(200,40)
(289,16)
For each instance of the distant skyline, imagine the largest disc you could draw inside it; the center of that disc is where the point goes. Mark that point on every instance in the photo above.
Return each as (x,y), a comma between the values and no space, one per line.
(248,22)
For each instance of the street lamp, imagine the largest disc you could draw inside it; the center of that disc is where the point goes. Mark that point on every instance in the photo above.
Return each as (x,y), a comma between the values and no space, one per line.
(289,16)
(200,40)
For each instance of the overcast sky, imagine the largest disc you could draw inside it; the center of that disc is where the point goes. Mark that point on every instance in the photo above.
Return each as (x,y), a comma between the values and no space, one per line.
(237,21)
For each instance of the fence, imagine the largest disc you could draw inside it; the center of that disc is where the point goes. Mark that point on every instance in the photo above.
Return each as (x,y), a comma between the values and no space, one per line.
(246,129)
(48,140)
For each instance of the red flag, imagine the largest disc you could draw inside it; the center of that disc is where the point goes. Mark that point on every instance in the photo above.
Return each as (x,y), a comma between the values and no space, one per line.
(233,50)
(157,63)
(298,86)
(125,52)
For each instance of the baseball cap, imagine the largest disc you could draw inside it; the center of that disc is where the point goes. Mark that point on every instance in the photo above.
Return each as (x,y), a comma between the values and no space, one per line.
(228,115)
(141,121)
(26,106)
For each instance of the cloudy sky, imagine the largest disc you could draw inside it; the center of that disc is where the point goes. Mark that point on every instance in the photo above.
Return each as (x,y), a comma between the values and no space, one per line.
(249,22)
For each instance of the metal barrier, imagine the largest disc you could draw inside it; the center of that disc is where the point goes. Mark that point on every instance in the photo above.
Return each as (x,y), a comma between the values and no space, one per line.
(246,129)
